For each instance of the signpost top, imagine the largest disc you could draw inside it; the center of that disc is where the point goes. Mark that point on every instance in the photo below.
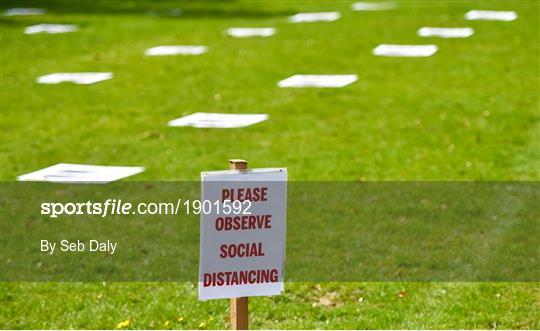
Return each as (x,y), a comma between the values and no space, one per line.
(237,164)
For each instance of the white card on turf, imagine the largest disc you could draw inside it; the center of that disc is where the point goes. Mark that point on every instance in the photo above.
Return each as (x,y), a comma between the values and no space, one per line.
(405,50)
(250,32)
(372,6)
(445,32)
(50,28)
(318,81)
(175,50)
(491,15)
(75,77)
(315,17)
(216,120)
(80,173)
(24,11)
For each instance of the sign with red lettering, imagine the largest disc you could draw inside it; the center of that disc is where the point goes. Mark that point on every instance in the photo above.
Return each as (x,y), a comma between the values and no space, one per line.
(242,246)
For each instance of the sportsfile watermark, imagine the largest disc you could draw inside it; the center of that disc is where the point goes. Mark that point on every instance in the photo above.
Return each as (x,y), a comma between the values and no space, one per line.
(335,231)
(232,202)
(112,207)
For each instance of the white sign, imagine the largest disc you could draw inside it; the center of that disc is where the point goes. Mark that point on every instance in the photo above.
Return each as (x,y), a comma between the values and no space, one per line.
(318,81)
(251,32)
(445,32)
(371,6)
(315,17)
(77,78)
(50,28)
(405,50)
(175,50)
(24,11)
(242,251)
(216,120)
(491,15)
(80,173)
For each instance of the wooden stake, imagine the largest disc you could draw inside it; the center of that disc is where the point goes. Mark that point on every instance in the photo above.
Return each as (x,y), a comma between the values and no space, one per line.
(237,164)
(239,306)
(239,313)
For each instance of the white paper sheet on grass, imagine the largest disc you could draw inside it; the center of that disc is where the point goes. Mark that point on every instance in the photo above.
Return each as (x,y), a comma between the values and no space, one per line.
(318,81)
(250,32)
(74,77)
(50,28)
(445,32)
(80,173)
(315,17)
(24,11)
(175,50)
(216,120)
(491,15)
(405,50)
(372,6)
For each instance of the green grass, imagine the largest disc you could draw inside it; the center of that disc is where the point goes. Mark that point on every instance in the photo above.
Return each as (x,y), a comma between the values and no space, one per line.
(304,305)
(398,122)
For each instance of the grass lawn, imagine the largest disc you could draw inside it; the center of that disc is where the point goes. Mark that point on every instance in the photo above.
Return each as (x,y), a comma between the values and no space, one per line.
(470,112)
(304,305)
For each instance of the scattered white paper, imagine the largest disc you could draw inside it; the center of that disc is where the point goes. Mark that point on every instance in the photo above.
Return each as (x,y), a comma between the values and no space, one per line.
(250,32)
(491,15)
(215,120)
(24,11)
(372,6)
(405,50)
(77,78)
(80,173)
(315,17)
(318,81)
(445,32)
(175,50)
(50,28)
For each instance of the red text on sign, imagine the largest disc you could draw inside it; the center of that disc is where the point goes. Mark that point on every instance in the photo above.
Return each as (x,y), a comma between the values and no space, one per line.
(242,194)
(252,222)
(240,277)
(241,250)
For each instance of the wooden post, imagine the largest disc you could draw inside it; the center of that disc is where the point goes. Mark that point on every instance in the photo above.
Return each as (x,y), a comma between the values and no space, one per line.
(237,164)
(239,313)
(239,306)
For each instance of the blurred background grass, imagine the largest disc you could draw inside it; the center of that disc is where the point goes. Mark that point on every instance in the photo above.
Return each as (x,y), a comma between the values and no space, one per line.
(469,112)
